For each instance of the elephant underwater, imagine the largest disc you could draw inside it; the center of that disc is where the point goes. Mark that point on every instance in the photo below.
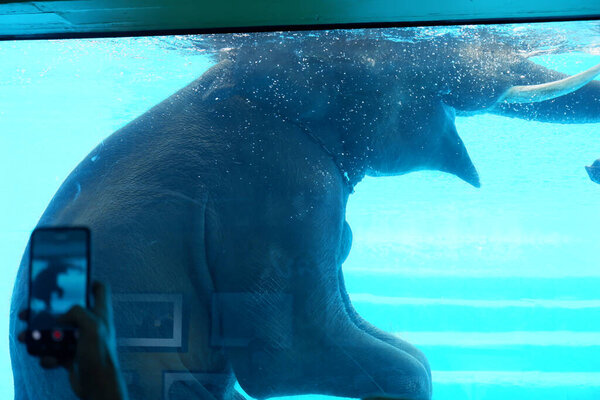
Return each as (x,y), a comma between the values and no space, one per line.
(228,201)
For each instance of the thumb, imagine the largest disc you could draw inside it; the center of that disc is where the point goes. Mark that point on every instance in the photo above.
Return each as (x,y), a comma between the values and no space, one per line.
(75,380)
(102,302)
(79,317)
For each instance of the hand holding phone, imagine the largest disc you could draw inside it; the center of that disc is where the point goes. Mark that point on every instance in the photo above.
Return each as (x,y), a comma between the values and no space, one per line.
(62,328)
(94,373)
(58,280)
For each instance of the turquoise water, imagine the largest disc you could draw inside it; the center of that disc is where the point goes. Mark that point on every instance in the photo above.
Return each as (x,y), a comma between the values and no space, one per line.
(499,286)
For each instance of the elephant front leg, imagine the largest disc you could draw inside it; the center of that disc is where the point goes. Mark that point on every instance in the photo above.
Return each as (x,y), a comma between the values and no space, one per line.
(303,341)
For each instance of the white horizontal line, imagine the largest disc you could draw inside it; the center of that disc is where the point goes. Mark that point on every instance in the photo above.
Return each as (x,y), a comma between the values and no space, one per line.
(450,271)
(514,338)
(444,239)
(428,301)
(517,378)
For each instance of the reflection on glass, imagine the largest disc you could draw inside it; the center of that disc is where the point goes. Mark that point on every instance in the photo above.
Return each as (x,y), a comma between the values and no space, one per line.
(57,285)
(221,207)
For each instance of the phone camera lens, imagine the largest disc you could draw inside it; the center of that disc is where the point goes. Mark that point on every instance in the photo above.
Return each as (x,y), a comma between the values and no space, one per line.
(57,335)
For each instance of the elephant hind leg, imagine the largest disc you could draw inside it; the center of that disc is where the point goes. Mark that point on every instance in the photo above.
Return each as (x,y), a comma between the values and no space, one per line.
(365,325)
(327,354)
(378,333)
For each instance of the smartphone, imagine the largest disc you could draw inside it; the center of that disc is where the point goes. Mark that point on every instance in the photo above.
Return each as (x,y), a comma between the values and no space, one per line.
(59,278)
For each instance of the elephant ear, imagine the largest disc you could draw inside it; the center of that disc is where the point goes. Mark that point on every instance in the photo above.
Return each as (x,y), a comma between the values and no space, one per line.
(453,157)
(447,150)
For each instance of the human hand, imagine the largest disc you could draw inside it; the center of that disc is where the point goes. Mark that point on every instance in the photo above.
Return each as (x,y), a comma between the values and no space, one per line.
(93,371)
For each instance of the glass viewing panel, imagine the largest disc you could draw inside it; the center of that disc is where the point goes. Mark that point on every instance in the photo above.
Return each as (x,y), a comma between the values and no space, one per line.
(218,208)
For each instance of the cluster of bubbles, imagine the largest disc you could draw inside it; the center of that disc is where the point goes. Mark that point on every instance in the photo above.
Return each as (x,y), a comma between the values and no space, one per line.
(538,38)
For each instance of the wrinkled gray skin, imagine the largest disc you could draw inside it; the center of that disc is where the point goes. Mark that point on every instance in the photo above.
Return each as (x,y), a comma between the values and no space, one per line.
(220,193)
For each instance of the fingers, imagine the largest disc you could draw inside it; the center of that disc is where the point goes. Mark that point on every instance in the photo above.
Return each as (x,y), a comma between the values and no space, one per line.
(48,362)
(75,380)
(86,319)
(24,314)
(102,307)
(79,317)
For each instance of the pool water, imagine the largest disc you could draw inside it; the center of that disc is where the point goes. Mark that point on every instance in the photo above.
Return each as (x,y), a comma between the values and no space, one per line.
(498,286)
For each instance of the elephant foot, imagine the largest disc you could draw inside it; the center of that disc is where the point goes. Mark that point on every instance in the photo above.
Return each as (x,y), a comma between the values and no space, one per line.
(380,334)
(330,356)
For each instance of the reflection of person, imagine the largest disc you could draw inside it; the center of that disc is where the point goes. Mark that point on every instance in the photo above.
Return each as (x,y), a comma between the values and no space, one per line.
(46,282)
(93,371)
(594,171)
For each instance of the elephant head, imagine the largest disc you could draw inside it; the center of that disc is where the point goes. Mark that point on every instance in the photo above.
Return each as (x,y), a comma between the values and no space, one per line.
(387,107)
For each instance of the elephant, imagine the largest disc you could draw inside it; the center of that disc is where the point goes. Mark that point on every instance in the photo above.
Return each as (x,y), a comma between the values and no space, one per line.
(227,202)
(594,171)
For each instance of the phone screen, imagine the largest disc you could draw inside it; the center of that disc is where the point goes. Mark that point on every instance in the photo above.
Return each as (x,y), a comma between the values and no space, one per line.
(58,280)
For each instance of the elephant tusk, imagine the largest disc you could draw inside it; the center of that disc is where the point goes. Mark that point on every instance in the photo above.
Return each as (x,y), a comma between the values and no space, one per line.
(550,90)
